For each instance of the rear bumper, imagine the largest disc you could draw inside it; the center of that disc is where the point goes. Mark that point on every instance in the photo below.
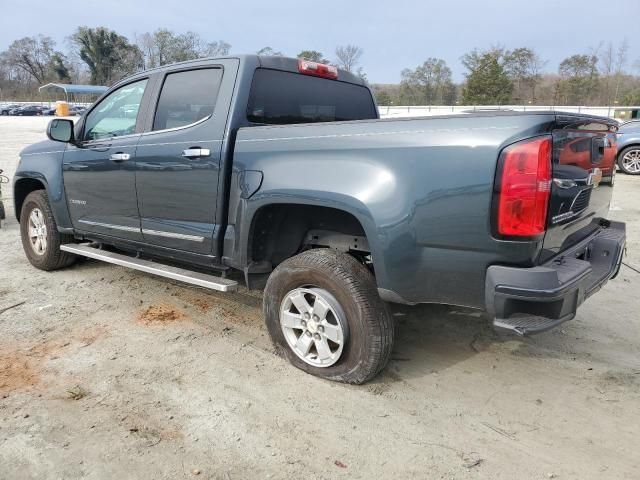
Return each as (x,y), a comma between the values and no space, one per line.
(532,300)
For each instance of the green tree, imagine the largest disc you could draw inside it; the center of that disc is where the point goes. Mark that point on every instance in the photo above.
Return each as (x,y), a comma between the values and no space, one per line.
(472,60)
(487,82)
(108,55)
(632,98)
(313,56)
(524,67)
(217,49)
(578,79)
(613,61)
(34,56)
(59,68)
(156,47)
(269,52)
(186,46)
(163,47)
(383,98)
(429,84)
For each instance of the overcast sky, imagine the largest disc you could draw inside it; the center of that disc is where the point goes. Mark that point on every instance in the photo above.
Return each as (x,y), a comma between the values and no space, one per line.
(394,34)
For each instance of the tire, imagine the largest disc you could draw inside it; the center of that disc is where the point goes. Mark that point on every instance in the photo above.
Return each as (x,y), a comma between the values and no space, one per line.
(630,165)
(349,289)
(49,257)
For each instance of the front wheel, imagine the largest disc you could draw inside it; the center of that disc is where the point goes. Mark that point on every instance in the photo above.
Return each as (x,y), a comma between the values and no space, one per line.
(324,313)
(40,237)
(629,160)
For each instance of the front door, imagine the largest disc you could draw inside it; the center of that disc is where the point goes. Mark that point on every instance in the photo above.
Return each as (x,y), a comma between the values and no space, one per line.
(178,162)
(99,170)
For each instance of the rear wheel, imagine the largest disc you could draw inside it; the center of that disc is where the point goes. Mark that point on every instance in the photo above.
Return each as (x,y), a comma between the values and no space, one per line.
(629,160)
(324,313)
(40,237)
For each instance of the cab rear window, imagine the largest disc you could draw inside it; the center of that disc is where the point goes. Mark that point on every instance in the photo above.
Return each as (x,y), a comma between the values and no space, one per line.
(278,97)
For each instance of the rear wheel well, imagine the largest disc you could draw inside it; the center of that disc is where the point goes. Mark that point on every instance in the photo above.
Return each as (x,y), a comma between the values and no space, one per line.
(281,231)
(24,187)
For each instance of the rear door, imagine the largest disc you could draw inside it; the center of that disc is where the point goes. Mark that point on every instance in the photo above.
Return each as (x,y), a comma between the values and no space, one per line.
(584,151)
(178,160)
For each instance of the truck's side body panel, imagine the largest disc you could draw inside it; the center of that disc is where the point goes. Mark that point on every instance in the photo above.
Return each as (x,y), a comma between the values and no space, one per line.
(421,189)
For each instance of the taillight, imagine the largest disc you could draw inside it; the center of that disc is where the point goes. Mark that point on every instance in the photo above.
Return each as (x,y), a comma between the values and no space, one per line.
(523,188)
(317,69)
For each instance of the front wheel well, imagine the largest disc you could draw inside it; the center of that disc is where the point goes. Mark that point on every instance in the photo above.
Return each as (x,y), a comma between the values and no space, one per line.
(22,188)
(280,231)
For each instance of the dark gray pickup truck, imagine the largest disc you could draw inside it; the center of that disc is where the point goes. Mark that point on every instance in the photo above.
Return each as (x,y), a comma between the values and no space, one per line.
(281,169)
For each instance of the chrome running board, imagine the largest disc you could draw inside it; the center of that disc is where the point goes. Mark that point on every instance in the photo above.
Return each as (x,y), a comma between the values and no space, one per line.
(175,273)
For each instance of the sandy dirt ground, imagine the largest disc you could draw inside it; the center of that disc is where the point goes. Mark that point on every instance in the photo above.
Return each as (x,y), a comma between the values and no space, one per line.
(110,373)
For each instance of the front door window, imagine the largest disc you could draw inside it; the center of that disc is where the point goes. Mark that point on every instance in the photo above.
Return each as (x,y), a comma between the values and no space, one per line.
(116,115)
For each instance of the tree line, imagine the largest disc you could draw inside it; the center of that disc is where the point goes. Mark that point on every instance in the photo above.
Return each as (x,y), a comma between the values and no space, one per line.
(101,56)
(496,76)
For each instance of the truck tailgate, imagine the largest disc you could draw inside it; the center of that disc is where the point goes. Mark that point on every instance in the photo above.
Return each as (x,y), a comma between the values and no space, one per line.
(584,151)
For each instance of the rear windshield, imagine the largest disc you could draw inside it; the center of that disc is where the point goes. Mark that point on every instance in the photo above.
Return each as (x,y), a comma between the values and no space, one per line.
(279,97)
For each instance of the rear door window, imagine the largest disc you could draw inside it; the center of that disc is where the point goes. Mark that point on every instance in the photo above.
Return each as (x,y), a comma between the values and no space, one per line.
(187,97)
(279,97)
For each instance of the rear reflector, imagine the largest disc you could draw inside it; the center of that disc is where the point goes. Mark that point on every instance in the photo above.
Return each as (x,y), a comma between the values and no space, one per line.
(317,69)
(524,188)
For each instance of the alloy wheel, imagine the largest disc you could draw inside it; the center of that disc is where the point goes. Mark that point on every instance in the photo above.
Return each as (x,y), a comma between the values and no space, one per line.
(314,325)
(631,161)
(37,232)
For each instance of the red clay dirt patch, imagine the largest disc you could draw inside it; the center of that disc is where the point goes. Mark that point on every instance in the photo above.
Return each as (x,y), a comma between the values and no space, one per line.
(224,305)
(160,314)
(17,371)
(20,368)
(202,304)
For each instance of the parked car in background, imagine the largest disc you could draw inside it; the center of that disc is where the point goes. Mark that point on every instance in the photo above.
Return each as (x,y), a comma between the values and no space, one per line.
(629,147)
(5,109)
(50,111)
(28,111)
(76,111)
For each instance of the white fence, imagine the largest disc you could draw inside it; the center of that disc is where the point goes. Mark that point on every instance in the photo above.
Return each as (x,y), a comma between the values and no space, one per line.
(425,111)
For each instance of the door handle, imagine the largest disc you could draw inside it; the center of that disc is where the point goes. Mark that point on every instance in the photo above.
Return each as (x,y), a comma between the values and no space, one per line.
(196,152)
(119,157)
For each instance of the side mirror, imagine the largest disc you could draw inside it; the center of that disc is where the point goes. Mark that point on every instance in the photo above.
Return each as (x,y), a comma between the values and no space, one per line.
(60,130)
